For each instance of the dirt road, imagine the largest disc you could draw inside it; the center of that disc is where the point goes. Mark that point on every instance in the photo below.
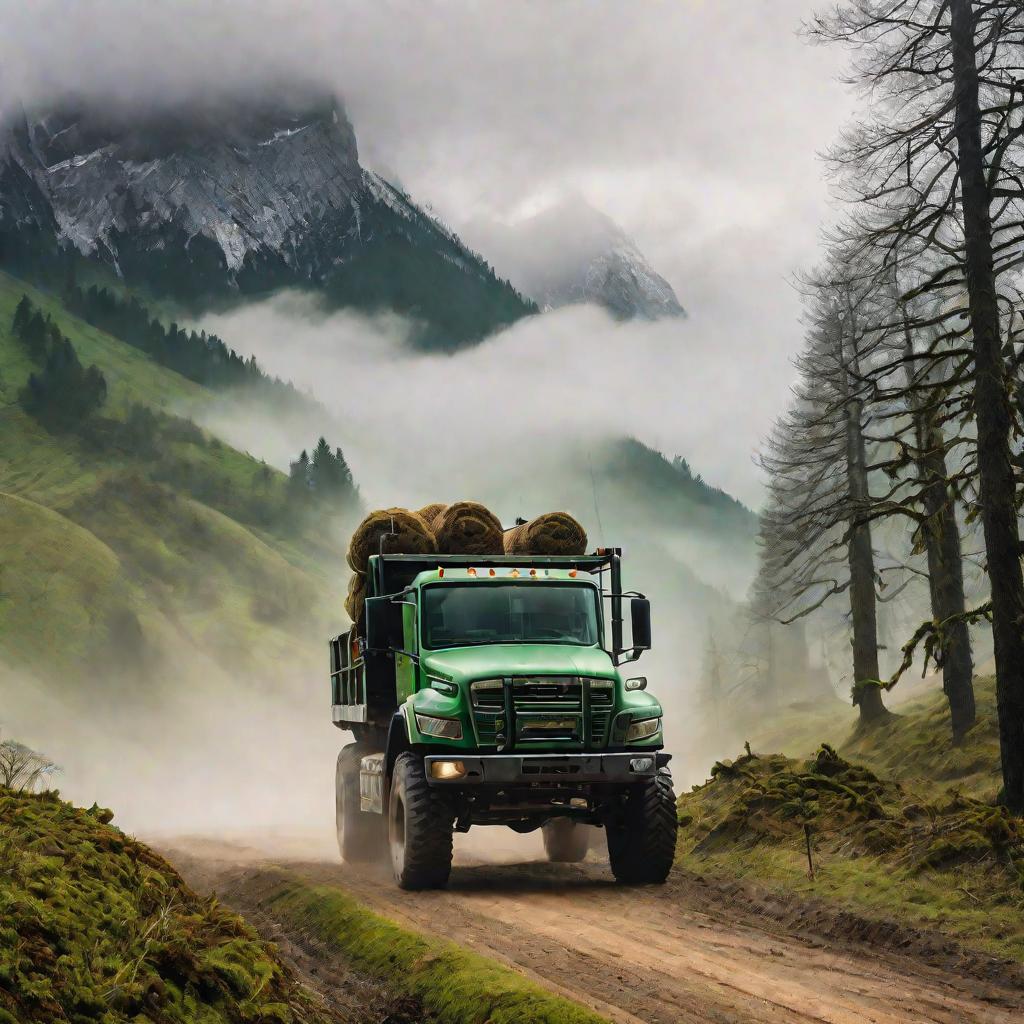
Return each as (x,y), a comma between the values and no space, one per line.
(680,953)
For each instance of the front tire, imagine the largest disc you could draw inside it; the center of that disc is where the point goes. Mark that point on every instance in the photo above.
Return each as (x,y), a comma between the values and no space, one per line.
(642,834)
(565,841)
(359,832)
(420,824)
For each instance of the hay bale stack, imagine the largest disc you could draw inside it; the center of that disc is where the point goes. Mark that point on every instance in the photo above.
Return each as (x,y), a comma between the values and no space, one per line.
(355,600)
(468,528)
(554,533)
(430,512)
(412,536)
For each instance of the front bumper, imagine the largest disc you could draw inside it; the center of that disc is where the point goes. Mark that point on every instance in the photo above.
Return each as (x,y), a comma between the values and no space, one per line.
(520,769)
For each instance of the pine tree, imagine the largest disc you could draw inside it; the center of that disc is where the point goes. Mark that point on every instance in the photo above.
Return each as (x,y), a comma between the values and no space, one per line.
(22,313)
(298,477)
(322,469)
(35,337)
(711,684)
(64,393)
(345,479)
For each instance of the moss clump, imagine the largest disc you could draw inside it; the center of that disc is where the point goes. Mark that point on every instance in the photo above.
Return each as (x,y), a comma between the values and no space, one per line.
(848,807)
(94,926)
(774,798)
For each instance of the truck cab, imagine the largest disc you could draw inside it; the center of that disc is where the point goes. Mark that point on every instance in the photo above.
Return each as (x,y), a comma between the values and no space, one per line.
(491,690)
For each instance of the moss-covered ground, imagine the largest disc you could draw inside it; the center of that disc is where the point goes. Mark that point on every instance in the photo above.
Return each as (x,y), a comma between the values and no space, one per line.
(913,746)
(453,985)
(927,856)
(96,927)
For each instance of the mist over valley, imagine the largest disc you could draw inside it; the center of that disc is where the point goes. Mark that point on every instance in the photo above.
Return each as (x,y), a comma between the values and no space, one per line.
(475,477)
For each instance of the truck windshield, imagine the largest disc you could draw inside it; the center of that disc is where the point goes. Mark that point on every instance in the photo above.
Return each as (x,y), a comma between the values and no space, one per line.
(499,613)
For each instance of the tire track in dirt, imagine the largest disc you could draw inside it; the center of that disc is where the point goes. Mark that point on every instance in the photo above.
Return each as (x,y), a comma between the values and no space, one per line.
(652,954)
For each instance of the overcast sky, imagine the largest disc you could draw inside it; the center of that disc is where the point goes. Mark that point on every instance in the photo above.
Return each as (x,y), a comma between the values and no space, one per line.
(695,124)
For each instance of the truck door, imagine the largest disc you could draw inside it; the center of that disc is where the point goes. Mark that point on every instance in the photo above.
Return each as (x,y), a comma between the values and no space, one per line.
(407,659)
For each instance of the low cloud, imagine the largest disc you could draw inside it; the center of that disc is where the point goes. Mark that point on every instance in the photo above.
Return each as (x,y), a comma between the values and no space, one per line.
(413,423)
(695,125)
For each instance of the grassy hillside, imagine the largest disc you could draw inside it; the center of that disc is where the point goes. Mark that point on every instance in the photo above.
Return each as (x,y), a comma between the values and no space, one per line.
(900,823)
(131,556)
(48,561)
(95,926)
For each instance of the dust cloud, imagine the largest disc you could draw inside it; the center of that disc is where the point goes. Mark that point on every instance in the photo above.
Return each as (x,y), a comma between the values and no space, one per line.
(190,750)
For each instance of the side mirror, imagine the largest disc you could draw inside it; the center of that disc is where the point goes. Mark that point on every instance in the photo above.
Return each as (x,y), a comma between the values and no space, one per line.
(640,614)
(379,623)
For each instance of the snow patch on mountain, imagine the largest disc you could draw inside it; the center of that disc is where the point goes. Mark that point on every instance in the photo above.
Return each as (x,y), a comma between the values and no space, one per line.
(572,253)
(250,191)
(267,183)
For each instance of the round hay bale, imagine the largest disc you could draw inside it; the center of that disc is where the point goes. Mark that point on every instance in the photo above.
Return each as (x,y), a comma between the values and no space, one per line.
(554,533)
(412,536)
(468,528)
(355,600)
(430,512)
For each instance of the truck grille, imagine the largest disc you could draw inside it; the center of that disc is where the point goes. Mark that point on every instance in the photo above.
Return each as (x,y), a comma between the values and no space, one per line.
(547,708)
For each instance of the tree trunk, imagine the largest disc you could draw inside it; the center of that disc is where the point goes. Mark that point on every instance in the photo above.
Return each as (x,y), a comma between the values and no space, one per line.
(867,695)
(992,410)
(945,562)
(946,583)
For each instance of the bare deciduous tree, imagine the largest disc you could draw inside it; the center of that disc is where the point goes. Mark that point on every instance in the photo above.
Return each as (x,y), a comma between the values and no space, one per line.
(936,187)
(940,535)
(816,529)
(23,769)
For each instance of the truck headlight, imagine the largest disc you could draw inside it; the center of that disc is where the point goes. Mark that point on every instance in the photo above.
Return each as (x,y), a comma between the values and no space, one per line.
(449,689)
(446,771)
(445,728)
(641,730)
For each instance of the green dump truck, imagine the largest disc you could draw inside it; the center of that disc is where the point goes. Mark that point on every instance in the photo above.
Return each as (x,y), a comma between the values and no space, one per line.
(487,690)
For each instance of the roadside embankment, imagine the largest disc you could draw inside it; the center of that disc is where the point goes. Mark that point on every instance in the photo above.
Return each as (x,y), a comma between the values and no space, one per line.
(96,926)
(835,831)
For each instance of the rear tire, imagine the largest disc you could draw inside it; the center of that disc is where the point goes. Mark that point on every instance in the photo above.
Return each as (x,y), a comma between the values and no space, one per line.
(565,841)
(360,833)
(420,824)
(642,836)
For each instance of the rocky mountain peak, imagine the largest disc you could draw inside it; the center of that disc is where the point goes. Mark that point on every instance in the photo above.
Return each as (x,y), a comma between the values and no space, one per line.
(234,194)
(573,253)
(247,178)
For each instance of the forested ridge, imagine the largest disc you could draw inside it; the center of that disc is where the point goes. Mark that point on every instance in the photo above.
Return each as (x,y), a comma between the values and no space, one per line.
(199,356)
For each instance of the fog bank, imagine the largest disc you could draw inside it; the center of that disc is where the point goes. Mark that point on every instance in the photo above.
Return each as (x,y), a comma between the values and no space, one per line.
(412,422)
